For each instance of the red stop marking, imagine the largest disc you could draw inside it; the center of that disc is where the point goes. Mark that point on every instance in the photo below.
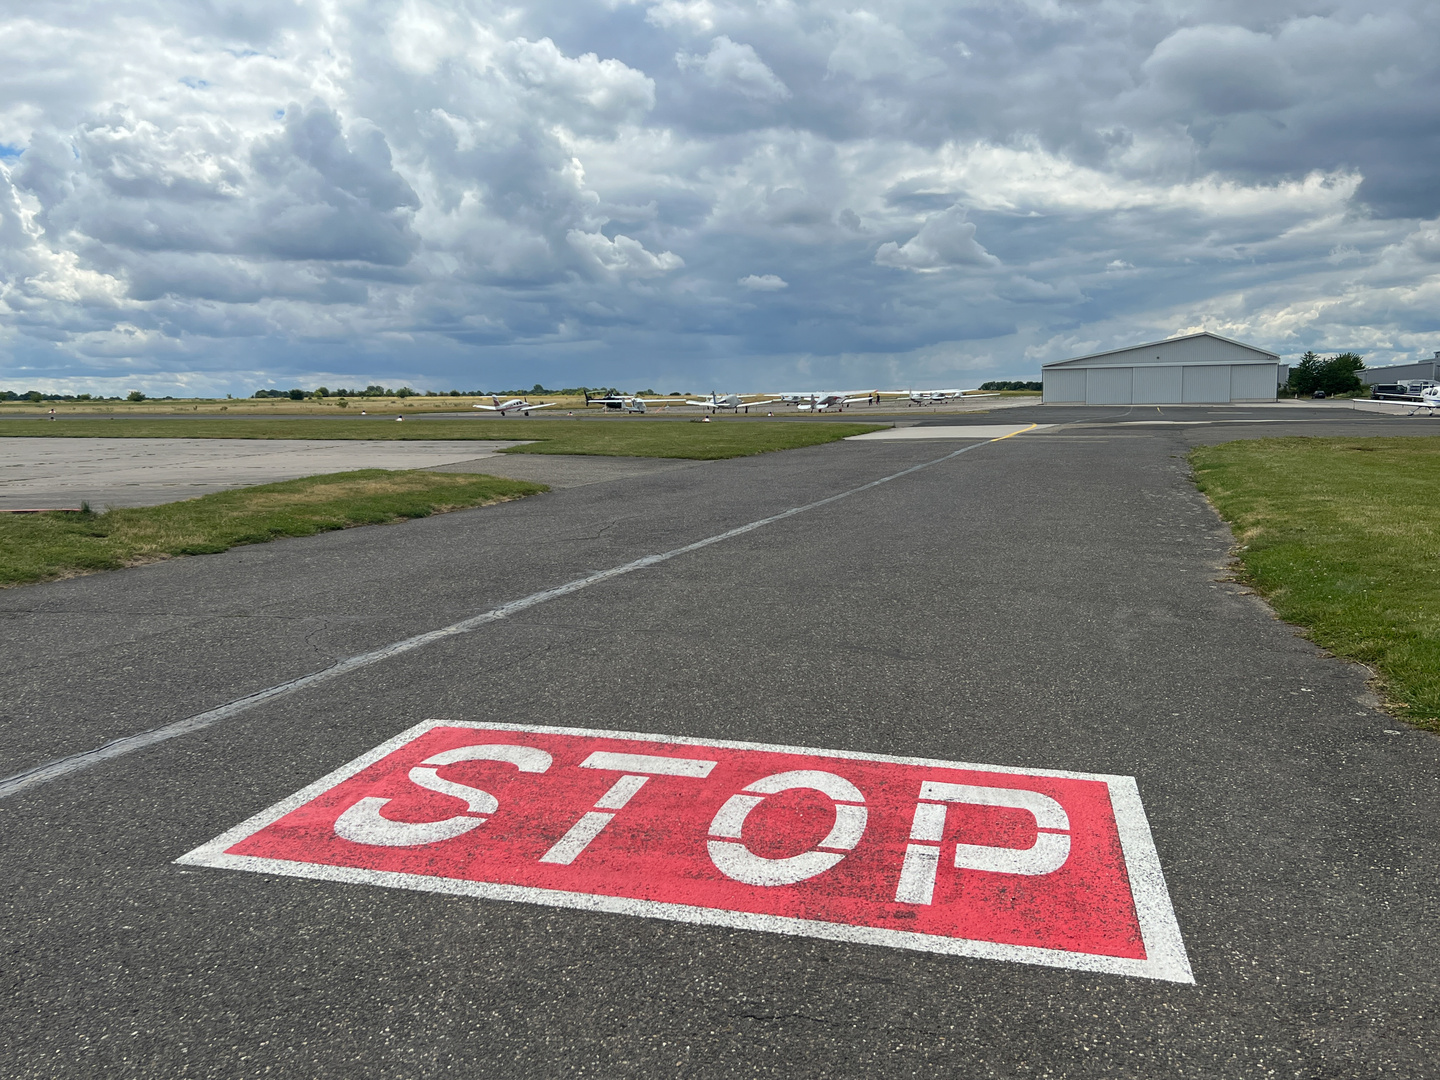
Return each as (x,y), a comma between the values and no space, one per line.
(1031,865)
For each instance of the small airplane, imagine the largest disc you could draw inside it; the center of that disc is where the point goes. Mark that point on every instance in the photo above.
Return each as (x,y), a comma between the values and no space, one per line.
(631,403)
(1429,400)
(940,397)
(825,401)
(731,401)
(516,404)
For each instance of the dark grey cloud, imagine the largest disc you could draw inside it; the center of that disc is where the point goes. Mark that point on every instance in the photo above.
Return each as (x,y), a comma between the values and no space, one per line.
(459,193)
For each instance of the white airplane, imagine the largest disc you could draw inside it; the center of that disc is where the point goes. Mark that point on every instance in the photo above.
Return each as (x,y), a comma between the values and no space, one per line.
(940,397)
(632,403)
(516,404)
(731,401)
(1429,400)
(824,401)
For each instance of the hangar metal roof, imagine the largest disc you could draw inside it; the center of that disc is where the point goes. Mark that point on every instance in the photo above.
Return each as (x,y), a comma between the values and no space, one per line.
(1201,348)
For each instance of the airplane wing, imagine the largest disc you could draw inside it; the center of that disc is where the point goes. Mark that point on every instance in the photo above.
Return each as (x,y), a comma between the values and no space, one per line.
(532,408)
(487,408)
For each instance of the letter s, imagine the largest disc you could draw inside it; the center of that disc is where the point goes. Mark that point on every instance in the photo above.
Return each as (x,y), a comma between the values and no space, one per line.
(362,823)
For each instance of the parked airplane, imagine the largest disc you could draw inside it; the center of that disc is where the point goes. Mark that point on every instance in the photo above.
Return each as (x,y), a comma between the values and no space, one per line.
(731,401)
(519,405)
(940,397)
(631,403)
(823,401)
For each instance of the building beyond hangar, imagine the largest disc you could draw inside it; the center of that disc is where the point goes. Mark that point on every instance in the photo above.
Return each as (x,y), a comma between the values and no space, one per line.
(1197,369)
(1425,369)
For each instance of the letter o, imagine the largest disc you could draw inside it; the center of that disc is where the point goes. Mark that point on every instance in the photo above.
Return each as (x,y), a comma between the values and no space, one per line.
(737,862)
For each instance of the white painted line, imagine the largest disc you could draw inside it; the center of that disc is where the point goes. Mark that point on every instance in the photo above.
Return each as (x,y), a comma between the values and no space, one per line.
(66,766)
(621,792)
(648,763)
(568,848)
(949,431)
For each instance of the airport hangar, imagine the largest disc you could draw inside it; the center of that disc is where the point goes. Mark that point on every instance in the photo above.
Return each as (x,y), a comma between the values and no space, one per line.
(1198,369)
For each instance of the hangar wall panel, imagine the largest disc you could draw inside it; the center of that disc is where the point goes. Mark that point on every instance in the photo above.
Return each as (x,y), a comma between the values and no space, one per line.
(1206,385)
(1253,382)
(1108,386)
(1065,385)
(1157,385)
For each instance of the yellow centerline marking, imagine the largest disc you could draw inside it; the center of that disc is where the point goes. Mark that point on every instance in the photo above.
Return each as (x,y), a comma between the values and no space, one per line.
(1012,434)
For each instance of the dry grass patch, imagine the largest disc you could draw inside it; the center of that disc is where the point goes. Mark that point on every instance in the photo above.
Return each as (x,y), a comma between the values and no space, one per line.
(39,547)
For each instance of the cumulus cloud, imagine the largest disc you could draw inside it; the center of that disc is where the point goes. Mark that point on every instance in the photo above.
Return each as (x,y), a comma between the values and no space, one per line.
(736,67)
(945,240)
(622,255)
(456,194)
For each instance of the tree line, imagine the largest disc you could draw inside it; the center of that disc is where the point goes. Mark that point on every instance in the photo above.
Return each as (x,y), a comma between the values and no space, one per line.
(1338,374)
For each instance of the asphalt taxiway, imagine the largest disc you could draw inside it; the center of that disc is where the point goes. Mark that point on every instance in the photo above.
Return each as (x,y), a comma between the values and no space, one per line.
(1055,600)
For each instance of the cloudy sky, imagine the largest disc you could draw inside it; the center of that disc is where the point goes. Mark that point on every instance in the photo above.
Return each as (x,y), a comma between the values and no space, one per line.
(211,196)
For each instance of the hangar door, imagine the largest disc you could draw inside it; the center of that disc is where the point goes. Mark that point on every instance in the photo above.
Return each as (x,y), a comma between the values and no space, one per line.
(1206,384)
(1252,382)
(1107,386)
(1157,385)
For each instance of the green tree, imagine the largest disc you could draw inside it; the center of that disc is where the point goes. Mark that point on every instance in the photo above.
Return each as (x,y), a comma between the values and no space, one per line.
(135,395)
(1339,374)
(1342,374)
(1305,376)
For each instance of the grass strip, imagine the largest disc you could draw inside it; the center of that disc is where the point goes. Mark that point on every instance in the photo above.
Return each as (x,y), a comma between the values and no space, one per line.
(39,547)
(614,436)
(1341,536)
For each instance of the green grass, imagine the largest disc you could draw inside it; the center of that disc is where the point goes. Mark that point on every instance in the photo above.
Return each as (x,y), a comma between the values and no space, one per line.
(38,547)
(1342,536)
(618,436)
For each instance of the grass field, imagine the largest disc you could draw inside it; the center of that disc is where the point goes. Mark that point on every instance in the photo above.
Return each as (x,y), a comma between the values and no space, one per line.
(619,436)
(1342,536)
(37,547)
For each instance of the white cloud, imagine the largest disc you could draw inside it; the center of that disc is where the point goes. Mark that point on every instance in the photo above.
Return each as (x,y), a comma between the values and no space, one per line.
(451,190)
(736,67)
(870,48)
(763,283)
(621,256)
(945,240)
